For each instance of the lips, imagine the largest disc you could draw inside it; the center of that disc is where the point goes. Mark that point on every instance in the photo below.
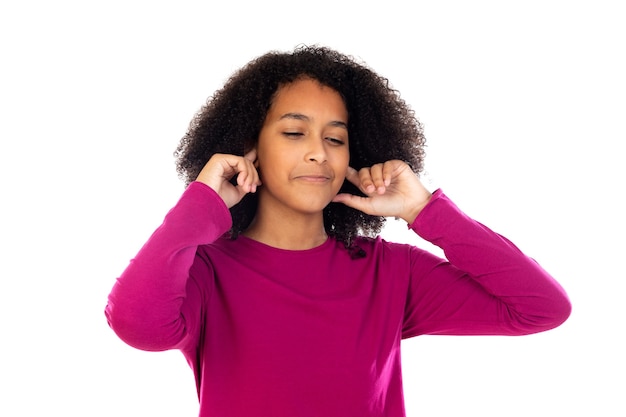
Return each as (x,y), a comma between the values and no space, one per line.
(313,177)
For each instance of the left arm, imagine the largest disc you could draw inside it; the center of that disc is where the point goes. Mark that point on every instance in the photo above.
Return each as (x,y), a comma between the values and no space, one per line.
(486,285)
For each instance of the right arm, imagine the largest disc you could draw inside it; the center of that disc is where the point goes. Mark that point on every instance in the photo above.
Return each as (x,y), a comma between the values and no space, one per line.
(153,304)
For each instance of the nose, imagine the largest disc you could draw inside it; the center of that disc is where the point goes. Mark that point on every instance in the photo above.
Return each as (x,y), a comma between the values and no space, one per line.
(316,151)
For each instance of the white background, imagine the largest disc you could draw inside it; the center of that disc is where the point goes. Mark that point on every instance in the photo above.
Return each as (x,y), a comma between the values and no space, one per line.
(523,105)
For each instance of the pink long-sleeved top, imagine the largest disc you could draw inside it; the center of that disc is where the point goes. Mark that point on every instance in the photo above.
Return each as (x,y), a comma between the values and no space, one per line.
(278,333)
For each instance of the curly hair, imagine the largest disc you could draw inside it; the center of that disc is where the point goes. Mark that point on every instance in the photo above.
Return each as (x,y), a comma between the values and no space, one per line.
(381,126)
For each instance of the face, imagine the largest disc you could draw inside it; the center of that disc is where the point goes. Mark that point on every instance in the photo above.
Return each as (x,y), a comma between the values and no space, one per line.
(302,151)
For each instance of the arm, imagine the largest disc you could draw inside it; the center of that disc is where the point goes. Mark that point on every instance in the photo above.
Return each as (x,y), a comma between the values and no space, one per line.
(487,285)
(153,305)
(156,303)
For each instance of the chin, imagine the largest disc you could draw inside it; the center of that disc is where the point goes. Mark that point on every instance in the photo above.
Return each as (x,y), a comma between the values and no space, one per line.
(314,207)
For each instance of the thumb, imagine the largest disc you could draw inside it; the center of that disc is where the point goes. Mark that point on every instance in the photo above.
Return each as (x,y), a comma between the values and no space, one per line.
(354,201)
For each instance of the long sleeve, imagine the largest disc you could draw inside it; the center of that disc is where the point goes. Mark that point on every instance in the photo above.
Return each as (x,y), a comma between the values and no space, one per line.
(153,304)
(485,286)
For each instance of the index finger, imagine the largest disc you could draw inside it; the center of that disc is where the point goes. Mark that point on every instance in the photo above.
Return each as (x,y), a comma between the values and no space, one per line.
(352,175)
(251,155)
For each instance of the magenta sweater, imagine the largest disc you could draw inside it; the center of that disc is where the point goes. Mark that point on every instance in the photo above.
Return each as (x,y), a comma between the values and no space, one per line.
(278,333)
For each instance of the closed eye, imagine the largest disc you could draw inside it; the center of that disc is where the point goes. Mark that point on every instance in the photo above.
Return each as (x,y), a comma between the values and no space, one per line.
(293,134)
(335,141)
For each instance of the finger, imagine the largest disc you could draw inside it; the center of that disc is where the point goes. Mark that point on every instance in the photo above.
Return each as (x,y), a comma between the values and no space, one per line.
(365,178)
(354,201)
(248,178)
(253,173)
(254,177)
(251,155)
(388,171)
(376,173)
(352,175)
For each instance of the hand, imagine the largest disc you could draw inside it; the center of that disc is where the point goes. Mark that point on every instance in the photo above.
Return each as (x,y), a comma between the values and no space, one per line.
(392,190)
(221,168)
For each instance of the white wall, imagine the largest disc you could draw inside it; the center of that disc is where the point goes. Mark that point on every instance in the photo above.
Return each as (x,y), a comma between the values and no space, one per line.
(523,107)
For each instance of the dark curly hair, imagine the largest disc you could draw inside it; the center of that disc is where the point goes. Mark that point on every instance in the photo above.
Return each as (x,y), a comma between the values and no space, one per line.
(381,126)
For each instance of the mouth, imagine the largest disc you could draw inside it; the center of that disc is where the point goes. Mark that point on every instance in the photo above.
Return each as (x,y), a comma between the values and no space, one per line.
(313,178)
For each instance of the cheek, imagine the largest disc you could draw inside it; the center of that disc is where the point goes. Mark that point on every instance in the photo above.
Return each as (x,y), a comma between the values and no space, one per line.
(345,162)
(265,157)
(341,169)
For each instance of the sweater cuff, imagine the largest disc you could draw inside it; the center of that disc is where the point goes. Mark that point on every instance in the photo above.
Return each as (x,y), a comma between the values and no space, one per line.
(419,219)
(205,202)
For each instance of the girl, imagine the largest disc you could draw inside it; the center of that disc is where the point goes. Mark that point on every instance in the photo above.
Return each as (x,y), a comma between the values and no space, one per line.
(268,273)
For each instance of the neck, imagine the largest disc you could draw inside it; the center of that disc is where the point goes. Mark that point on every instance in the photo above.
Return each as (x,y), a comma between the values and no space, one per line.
(292,232)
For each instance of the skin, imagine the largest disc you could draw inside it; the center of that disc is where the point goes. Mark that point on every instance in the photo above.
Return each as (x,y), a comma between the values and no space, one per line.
(298,166)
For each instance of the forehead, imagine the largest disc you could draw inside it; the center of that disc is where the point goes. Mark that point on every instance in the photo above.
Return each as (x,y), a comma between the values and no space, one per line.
(308,96)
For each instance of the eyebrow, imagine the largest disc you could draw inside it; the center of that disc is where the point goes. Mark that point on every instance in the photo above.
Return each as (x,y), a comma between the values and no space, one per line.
(300,116)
